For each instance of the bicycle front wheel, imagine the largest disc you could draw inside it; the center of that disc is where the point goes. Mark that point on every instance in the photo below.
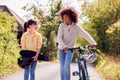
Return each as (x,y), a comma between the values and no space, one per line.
(83,72)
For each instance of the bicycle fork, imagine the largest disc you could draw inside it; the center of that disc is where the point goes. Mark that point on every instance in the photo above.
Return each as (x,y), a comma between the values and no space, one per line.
(86,71)
(84,66)
(80,74)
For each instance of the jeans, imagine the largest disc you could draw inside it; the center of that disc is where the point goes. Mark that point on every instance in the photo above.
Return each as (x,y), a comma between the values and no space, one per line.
(65,61)
(30,70)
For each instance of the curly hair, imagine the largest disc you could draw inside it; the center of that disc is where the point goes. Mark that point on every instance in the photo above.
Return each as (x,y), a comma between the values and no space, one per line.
(71,12)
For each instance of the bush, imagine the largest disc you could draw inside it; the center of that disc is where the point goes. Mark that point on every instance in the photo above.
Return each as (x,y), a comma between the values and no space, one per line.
(8,43)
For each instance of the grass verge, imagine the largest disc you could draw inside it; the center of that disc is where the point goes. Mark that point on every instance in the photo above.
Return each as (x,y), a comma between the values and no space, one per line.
(109,65)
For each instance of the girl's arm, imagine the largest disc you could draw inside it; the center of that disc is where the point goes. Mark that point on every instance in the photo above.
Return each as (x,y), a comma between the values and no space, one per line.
(23,42)
(39,45)
(87,36)
(60,37)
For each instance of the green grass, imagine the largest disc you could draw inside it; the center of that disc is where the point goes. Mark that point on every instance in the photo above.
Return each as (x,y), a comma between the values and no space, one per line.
(109,66)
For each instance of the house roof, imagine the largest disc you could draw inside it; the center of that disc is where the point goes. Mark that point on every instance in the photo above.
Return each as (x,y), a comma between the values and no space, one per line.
(20,21)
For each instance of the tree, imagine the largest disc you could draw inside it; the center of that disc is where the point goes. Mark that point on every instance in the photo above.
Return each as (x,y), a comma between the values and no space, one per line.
(101,14)
(50,29)
(113,33)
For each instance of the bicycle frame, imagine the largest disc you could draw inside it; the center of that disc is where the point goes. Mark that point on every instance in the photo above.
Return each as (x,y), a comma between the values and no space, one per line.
(82,62)
(82,65)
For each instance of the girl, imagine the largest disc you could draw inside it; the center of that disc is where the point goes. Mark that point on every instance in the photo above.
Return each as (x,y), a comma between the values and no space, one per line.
(67,34)
(31,40)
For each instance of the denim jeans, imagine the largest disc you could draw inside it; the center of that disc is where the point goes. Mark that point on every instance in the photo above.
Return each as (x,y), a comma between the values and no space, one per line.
(30,71)
(65,61)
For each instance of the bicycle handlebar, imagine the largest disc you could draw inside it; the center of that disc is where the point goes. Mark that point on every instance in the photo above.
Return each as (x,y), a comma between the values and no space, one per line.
(82,48)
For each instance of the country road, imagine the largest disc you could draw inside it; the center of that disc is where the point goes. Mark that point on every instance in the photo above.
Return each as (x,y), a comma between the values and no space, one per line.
(50,71)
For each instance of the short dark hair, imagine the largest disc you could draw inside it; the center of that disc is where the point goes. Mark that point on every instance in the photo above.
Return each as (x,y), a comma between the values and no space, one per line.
(71,12)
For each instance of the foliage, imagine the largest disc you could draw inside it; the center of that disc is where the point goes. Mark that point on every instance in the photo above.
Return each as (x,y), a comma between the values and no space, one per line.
(113,34)
(101,14)
(8,43)
(50,29)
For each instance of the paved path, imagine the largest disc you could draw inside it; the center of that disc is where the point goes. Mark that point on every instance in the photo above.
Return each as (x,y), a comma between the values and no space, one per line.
(50,71)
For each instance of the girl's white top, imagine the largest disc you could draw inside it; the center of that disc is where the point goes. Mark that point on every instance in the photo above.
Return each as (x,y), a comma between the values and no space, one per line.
(67,35)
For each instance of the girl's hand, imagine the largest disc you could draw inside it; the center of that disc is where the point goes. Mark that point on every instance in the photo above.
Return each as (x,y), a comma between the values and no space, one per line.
(35,58)
(93,46)
(65,49)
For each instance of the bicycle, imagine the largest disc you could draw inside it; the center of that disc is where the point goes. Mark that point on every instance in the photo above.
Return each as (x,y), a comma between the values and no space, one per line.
(82,62)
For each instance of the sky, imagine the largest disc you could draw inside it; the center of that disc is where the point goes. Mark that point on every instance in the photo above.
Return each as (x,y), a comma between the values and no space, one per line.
(16,5)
